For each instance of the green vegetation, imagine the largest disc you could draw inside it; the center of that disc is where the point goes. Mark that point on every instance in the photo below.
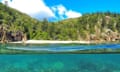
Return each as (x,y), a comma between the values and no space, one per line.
(16,26)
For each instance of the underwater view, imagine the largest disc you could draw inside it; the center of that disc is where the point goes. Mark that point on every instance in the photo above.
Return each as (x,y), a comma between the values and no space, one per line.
(60,63)
(60,58)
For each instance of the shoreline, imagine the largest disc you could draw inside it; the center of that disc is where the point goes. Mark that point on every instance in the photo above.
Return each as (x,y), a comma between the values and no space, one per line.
(51,42)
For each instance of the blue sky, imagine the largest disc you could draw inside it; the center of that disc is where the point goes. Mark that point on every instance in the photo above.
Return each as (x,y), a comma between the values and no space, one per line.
(87,6)
(63,9)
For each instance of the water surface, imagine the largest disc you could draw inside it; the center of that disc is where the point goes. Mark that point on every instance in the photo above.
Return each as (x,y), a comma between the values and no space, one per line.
(62,48)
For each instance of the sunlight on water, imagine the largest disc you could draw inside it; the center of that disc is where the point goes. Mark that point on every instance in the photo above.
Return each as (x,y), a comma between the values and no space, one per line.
(60,63)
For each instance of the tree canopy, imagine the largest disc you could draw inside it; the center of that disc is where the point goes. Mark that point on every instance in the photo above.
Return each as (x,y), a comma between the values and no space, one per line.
(95,26)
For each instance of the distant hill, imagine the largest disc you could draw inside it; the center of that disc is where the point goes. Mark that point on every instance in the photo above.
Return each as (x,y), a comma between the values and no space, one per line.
(16,26)
(97,26)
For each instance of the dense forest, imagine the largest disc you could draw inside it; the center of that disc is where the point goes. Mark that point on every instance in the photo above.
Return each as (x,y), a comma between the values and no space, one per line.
(17,26)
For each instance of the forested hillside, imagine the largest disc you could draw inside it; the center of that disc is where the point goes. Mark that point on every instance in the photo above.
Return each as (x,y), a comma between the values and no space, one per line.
(16,26)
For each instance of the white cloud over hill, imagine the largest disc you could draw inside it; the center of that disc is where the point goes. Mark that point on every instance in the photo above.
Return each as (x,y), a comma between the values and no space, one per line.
(31,7)
(38,9)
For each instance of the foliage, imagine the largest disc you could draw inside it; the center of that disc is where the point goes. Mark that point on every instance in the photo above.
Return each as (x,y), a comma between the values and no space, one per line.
(13,21)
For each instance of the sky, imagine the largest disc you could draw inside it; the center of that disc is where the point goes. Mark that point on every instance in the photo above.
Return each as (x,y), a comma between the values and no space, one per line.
(55,10)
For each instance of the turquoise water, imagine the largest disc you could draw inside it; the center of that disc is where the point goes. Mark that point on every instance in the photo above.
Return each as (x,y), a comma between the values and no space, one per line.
(60,63)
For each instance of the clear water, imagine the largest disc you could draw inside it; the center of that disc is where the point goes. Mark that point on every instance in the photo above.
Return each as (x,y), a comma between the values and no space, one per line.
(60,63)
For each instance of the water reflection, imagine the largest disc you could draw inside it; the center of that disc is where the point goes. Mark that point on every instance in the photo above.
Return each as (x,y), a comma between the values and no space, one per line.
(59,47)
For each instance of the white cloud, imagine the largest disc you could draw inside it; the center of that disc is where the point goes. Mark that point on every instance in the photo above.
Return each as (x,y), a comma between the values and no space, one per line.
(72,14)
(63,12)
(32,7)
(61,9)
(38,9)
